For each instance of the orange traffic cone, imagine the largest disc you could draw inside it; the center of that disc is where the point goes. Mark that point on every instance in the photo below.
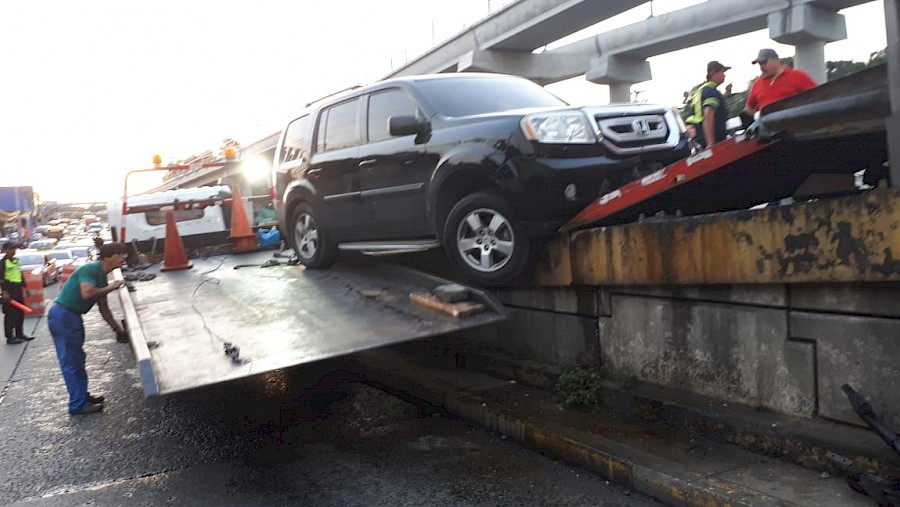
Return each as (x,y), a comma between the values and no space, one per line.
(174,256)
(241,233)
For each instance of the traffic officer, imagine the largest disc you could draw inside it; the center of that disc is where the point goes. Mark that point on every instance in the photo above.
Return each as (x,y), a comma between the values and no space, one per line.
(12,284)
(86,286)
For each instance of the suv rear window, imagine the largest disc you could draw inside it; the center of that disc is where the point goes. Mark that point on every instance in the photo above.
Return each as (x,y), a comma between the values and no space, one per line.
(468,97)
(338,127)
(295,140)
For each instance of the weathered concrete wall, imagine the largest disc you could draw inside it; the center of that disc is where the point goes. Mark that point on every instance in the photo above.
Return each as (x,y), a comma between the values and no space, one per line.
(731,351)
(781,347)
(557,327)
(861,351)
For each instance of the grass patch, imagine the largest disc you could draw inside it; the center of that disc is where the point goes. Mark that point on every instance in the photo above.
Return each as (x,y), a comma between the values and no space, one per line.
(581,387)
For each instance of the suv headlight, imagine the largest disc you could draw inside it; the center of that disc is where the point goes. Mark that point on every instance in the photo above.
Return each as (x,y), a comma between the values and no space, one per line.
(559,127)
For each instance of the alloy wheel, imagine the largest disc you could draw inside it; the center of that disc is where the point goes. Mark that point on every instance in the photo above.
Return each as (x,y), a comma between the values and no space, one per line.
(306,236)
(485,240)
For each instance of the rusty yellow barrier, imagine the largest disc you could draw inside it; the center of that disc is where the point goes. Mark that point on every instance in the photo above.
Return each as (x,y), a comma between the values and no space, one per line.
(844,239)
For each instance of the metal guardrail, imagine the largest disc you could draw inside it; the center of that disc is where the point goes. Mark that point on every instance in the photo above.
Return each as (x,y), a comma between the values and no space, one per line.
(137,338)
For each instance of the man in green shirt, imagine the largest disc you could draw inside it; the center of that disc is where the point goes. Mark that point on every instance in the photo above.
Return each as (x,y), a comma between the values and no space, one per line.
(12,284)
(86,286)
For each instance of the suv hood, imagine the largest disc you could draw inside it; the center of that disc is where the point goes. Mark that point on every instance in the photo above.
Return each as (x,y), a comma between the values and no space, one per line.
(623,129)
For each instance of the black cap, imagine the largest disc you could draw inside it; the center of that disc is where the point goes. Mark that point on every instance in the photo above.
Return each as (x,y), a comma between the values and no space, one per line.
(764,54)
(715,66)
(10,244)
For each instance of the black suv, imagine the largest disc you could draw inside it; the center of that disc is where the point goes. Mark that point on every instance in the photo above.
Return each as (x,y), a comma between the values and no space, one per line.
(476,163)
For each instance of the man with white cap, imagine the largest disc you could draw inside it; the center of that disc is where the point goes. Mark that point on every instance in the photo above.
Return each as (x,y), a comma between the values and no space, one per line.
(777,81)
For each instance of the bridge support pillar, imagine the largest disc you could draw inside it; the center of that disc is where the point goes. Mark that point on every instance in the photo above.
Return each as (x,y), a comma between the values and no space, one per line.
(892,18)
(808,28)
(619,73)
(619,93)
(810,57)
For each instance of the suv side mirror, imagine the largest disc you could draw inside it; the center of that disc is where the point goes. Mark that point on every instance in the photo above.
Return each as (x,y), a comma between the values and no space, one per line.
(401,125)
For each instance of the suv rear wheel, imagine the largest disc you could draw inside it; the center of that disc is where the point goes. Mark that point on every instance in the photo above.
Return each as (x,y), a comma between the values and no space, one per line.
(482,242)
(310,242)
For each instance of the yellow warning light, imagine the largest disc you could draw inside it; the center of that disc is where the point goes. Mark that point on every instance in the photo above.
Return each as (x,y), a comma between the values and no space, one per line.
(229,153)
(157,160)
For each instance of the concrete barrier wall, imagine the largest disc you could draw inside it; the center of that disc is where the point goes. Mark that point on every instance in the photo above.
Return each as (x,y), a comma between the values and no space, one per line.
(779,347)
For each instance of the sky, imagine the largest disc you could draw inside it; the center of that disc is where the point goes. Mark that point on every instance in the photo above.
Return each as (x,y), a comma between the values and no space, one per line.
(92,90)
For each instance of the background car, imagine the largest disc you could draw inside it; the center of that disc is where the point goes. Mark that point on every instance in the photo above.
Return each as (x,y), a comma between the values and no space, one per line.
(63,257)
(56,231)
(94,228)
(43,244)
(81,252)
(38,262)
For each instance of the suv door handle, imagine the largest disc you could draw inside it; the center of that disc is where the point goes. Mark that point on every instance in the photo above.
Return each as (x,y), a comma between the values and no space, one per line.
(369,162)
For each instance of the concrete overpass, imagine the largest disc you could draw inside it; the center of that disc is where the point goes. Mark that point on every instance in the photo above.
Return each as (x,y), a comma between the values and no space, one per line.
(505,42)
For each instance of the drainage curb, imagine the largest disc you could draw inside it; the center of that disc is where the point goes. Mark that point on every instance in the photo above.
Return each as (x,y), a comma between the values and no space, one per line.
(531,416)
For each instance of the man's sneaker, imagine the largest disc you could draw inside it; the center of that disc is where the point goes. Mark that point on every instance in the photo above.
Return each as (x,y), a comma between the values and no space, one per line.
(13,341)
(95,399)
(25,338)
(87,408)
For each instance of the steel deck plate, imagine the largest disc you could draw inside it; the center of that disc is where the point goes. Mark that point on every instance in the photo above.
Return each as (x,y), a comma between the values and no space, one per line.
(280,316)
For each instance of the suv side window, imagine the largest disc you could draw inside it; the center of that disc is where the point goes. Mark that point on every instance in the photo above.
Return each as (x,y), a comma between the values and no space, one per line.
(338,126)
(383,105)
(296,140)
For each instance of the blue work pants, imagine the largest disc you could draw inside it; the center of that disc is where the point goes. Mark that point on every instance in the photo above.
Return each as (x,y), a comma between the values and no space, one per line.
(67,329)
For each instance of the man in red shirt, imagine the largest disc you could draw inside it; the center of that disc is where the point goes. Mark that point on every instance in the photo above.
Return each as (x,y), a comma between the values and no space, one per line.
(777,81)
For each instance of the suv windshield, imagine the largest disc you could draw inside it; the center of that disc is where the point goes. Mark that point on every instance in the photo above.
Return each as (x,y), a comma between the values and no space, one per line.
(472,96)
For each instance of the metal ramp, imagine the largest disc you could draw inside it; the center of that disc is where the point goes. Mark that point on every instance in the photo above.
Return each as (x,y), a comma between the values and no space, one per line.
(182,322)
(822,135)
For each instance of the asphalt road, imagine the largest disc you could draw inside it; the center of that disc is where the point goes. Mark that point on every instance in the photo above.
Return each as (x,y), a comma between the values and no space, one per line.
(314,435)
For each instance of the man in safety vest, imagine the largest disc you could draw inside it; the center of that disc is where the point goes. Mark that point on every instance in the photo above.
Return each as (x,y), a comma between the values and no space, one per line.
(12,284)
(708,107)
(86,286)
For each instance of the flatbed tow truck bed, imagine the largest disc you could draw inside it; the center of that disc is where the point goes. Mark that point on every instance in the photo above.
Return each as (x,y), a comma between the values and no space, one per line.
(183,324)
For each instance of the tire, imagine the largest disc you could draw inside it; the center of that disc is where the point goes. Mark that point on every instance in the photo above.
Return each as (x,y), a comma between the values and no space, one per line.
(310,241)
(482,243)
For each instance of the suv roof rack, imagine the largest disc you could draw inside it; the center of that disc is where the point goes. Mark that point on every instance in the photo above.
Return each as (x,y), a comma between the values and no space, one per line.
(332,94)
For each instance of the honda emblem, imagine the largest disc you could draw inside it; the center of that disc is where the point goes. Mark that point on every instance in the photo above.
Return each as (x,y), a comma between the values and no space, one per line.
(641,127)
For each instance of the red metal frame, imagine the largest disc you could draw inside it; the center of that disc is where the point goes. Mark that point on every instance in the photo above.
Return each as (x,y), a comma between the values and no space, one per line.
(671,176)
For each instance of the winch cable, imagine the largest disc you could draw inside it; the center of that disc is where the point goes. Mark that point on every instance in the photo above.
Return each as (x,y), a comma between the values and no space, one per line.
(231,350)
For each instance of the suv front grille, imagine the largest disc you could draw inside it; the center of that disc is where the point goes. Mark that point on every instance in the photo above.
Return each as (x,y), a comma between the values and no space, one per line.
(625,135)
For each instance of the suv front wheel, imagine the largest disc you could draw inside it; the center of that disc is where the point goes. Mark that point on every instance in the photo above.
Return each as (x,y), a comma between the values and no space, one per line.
(482,242)
(310,241)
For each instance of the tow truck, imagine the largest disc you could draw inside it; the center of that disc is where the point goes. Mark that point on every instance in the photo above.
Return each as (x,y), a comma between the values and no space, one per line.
(234,316)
